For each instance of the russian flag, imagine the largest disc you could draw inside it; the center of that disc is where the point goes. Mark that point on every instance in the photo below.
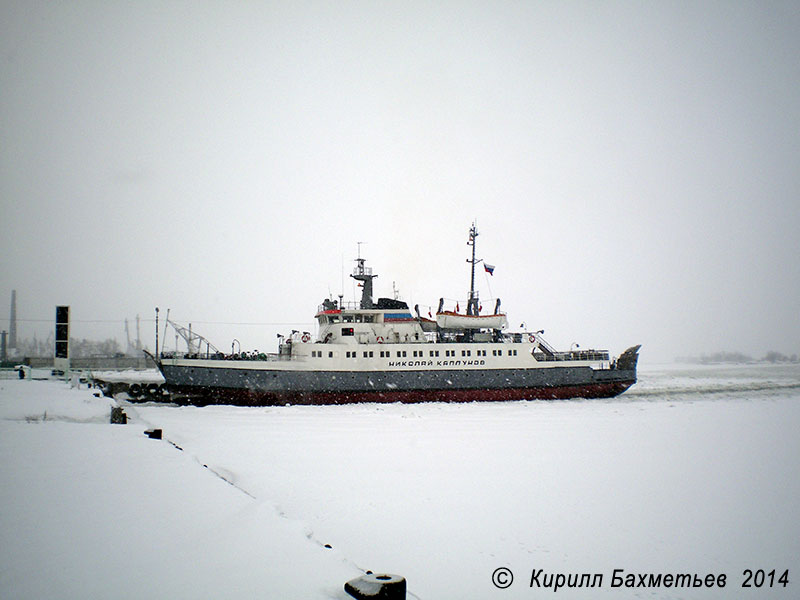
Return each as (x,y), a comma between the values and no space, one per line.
(489,268)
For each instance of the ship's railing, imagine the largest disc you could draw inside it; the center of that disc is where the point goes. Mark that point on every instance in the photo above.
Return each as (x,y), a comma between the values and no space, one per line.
(262,356)
(343,305)
(595,355)
(459,305)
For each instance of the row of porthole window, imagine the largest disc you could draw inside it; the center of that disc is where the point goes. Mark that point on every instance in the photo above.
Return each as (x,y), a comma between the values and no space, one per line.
(415,353)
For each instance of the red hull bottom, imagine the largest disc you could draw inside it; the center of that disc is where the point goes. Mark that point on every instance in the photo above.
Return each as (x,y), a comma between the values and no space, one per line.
(245,397)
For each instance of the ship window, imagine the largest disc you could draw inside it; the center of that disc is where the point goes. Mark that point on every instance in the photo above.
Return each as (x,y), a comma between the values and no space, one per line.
(347,331)
(334,318)
(401,354)
(347,318)
(369,318)
(465,353)
(330,354)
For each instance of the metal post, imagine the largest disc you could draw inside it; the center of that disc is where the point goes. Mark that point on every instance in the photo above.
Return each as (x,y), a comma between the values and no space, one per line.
(156,332)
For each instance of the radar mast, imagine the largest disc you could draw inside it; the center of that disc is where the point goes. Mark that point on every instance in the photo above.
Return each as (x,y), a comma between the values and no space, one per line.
(364,274)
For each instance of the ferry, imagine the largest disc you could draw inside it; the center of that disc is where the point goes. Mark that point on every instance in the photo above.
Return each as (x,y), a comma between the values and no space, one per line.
(379,351)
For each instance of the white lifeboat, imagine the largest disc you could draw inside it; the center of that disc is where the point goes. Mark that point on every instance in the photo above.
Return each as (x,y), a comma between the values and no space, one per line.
(451,320)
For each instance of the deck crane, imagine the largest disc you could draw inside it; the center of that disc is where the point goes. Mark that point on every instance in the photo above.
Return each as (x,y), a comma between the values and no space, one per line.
(194,341)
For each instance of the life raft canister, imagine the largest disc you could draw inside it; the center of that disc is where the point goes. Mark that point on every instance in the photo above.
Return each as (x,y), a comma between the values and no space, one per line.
(305,338)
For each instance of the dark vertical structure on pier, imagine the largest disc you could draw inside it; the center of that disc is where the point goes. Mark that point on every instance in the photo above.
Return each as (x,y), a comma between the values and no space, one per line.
(62,332)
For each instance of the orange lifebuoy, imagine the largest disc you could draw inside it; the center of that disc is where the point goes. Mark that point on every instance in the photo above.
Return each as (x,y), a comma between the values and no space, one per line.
(532,338)
(305,338)
(379,339)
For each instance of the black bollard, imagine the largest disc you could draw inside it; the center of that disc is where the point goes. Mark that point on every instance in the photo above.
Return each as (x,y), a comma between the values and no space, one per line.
(118,416)
(382,587)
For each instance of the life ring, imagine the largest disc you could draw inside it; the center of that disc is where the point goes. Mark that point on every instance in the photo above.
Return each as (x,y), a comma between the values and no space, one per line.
(532,338)
(379,339)
(305,338)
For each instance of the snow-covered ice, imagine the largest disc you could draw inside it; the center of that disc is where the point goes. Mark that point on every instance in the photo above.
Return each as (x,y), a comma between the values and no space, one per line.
(694,470)
(93,510)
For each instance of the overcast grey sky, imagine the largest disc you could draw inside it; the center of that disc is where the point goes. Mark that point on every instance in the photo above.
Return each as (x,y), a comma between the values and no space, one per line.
(632,166)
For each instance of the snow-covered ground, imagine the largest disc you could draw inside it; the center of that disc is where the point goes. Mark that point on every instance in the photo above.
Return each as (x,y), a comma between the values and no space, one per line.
(694,470)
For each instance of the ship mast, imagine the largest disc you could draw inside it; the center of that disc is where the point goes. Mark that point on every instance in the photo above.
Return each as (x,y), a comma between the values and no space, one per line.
(364,274)
(472,301)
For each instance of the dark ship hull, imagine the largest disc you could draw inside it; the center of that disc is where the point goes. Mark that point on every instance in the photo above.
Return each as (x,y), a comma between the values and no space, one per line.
(264,383)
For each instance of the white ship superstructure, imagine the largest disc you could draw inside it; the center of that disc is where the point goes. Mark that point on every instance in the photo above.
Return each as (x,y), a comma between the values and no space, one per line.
(381,351)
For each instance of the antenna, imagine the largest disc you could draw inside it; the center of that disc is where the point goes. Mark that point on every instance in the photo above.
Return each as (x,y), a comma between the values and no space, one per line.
(472,302)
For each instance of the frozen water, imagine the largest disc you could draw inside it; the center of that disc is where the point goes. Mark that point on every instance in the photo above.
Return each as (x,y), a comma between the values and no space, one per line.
(692,470)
